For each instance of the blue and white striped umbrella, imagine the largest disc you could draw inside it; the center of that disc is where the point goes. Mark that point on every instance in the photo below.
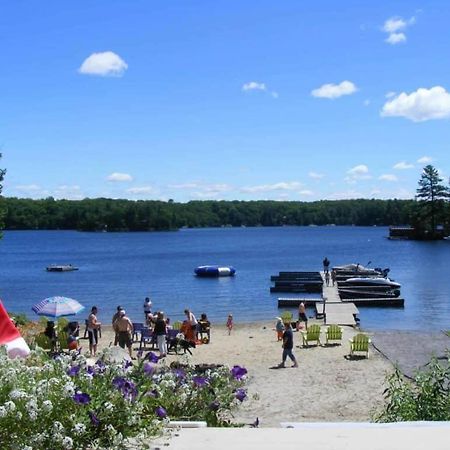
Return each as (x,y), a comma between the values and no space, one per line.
(57,307)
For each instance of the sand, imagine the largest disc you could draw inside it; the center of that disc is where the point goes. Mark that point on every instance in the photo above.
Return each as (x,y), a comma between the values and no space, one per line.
(326,387)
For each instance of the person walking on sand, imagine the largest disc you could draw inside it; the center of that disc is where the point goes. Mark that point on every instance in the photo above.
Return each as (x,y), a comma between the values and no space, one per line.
(93,326)
(288,345)
(230,323)
(114,318)
(124,329)
(302,315)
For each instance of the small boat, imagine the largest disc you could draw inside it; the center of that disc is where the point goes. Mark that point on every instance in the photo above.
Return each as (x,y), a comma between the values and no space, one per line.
(368,281)
(214,271)
(358,270)
(349,293)
(61,268)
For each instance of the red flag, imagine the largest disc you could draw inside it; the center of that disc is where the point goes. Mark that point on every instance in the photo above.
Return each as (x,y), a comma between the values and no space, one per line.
(10,336)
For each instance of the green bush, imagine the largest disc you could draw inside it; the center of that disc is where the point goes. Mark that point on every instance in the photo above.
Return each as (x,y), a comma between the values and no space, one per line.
(426,397)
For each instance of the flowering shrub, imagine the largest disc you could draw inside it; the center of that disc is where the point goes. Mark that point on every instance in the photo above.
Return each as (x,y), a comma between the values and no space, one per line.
(65,403)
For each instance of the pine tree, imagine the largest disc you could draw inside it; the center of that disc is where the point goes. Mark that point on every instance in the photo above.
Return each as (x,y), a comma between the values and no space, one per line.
(431,196)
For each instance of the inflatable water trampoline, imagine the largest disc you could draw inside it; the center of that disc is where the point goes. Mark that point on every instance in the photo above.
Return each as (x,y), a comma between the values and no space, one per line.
(215,271)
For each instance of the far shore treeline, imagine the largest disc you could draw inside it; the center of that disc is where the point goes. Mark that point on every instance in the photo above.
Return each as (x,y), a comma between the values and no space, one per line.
(104,214)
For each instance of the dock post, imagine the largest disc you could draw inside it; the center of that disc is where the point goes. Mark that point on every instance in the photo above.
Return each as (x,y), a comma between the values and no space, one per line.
(324,312)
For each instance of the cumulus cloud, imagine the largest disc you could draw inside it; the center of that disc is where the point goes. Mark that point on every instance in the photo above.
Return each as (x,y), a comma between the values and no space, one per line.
(395,27)
(282,186)
(306,192)
(402,165)
(425,160)
(104,64)
(316,175)
(419,106)
(254,86)
(28,188)
(68,192)
(119,177)
(390,94)
(333,91)
(142,190)
(388,177)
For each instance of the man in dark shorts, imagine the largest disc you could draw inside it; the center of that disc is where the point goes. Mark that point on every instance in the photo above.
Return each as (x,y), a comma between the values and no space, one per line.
(124,329)
(288,345)
(93,327)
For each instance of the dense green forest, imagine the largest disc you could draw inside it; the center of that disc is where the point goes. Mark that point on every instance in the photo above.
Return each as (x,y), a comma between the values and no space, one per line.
(126,215)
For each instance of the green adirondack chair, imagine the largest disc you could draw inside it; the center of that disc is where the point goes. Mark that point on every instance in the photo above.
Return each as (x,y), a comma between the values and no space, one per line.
(333,333)
(360,343)
(312,334)
(176,325)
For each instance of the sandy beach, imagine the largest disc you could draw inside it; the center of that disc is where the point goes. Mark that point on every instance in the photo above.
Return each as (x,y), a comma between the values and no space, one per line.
(326,387)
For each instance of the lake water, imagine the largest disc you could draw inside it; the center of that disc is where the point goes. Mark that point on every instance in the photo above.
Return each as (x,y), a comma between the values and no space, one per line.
(123,268)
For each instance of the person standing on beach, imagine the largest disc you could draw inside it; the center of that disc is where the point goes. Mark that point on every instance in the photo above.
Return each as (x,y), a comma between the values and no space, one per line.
(230,323)
(302,317)
(161,334)
(124,329)
(326,264)
(114,318)
(93,326)
(288,345)
(148,309)
(193,323)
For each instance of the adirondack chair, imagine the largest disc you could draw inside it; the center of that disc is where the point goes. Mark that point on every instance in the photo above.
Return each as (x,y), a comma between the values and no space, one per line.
(333,333)
(147,337)
(359,343)
(137,331)
(312,334)
(176,325)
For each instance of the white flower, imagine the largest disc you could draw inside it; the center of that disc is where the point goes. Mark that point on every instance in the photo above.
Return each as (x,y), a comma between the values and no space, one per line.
(67,442)
(3,411)
(32,414)
(108,406)
(47,405)
(10,406)
(27,447)
(69,389)
(79,428)
(58,427)
(17,394)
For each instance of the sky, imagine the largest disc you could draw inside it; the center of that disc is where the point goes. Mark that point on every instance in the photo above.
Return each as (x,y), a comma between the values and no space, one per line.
(224,99)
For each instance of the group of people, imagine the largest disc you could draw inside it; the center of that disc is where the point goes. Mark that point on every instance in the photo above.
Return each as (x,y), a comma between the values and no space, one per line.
(329,275)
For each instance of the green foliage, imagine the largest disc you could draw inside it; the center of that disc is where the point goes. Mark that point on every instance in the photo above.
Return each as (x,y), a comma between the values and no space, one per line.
(19,319)
(427,397)
(125,215)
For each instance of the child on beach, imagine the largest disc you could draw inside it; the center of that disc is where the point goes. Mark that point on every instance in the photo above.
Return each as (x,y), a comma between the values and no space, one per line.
(230,323)
(279,328)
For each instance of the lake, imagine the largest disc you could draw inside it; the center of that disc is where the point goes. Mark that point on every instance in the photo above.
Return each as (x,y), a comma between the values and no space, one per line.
(124,268)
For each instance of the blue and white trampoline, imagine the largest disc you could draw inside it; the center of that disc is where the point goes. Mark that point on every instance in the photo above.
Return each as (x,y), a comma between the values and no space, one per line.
(215,271)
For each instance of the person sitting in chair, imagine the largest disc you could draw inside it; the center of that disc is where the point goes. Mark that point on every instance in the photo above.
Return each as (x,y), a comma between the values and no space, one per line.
(204,327)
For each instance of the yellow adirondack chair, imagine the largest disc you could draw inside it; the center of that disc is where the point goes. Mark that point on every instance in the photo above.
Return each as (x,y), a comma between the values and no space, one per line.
(333,333)
(360,343)
(312,334)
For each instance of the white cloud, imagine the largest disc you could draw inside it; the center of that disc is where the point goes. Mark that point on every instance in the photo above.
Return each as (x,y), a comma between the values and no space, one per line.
(390,94)
(282,186)
(333,91)
(142,190)
(105,64)
(396,38)
(184,186)
(359,170)
(254,86)
(28,188)
(402,165)
(394,27)
(419,106)
(346,195)
(316,175)
(119,177)
(306,192)
(388,177)
(68,192)
(425,160)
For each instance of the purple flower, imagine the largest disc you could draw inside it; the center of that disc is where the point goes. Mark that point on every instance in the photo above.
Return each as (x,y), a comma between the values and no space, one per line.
(81,398)
(161,412)
(127,364)
(149,368)
(214,406)
(152,357)
(118,382)
(180,373)
(73,371)
(126,387)
(200,381)
(90,370)
(153,393)
(94,419)
(139,354)
(238,372)
(240,394)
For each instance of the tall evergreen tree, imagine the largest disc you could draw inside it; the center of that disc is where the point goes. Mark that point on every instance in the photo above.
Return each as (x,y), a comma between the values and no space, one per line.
(431,196)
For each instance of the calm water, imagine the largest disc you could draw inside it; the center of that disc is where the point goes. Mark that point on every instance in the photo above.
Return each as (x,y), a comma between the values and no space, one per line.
(123,268)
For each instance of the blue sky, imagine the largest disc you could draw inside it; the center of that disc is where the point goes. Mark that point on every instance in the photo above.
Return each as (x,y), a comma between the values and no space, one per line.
(223,99)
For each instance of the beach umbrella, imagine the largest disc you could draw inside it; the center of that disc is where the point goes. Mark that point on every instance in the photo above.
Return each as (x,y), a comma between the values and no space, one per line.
(57,307)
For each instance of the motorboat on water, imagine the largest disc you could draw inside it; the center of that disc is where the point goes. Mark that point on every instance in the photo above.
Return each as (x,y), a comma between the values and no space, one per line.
(61,268)
(359,270)
(357,292)
(369,281)
(215,271)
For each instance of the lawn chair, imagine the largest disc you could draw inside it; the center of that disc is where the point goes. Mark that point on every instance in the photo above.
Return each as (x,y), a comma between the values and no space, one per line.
(177,325)
(204,328)
(333,333)
(360,343)
(137,331)
(147,337)
(312,334)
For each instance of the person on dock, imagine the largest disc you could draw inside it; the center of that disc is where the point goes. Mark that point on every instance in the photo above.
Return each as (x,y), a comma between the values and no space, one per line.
(114,318)
(288,345)
(230,323)
(93,326)
(333,277)
(327,278)
(302,317)
(124,329)
(326,264)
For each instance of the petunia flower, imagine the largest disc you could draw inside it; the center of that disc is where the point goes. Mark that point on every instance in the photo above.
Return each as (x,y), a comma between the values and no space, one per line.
(149,368)
(200,381)
(94,419)
(73,371)
(238,372)
(240,394)
(152,357)
(179,373)
(161,412)
(81,398)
